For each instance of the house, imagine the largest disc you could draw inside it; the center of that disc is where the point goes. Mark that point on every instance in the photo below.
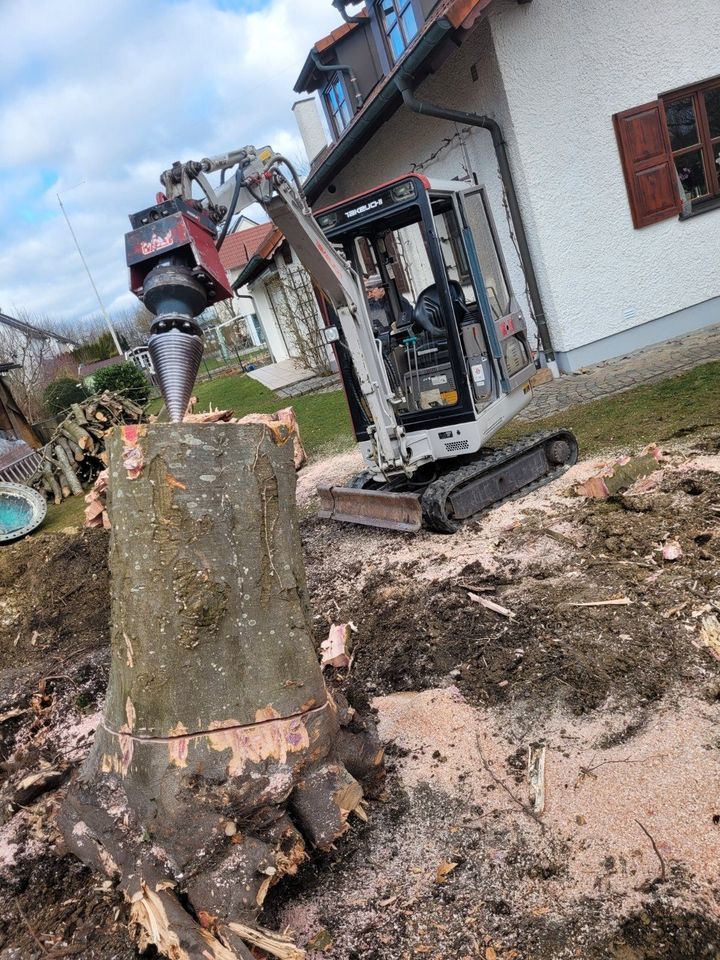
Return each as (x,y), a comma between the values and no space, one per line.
(25,343)
(265,272)
(593,127)
(33,356)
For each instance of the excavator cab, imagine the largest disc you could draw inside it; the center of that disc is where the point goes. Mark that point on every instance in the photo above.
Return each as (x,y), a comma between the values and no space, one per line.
(450,332)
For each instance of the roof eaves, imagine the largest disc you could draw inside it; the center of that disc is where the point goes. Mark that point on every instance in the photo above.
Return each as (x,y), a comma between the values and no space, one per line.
(251,271)
(450,16)
(304,82)
(36,332)
(377,109)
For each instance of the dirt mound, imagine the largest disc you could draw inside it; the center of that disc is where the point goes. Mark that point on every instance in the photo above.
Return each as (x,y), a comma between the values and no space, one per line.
(54,597)
(414,634)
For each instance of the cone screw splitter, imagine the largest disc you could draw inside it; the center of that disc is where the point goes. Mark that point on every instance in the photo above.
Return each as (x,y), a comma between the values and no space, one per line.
(176,349)
(175,295)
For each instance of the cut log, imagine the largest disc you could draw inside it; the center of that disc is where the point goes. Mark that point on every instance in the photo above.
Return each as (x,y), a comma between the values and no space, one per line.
(51,482)
(67,470)
(220,742)
(79,413)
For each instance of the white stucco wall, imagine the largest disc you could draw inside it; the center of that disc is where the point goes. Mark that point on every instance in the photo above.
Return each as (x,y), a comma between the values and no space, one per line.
(552,73)
(566,68)
(408,140)
(266,315)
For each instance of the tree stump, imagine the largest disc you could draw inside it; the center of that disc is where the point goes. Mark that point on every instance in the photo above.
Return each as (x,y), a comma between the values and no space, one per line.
(219,756)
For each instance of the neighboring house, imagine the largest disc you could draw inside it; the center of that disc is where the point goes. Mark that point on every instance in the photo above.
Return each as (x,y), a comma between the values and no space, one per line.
(266,274)
(35,356)
(140,356)
(25,343)
(609,115)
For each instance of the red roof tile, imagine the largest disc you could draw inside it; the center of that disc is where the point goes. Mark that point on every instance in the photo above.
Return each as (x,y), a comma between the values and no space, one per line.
(239,248)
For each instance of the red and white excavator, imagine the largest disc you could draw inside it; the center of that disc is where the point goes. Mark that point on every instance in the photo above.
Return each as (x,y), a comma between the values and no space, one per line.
(429,339)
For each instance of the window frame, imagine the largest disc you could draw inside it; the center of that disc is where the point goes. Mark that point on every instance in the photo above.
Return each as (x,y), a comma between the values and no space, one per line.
(400,7)
(706,143)
(335,83)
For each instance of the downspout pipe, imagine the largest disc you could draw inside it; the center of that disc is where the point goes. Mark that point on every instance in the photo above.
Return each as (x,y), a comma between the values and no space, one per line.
(340,7)
(404,85)
(343,68)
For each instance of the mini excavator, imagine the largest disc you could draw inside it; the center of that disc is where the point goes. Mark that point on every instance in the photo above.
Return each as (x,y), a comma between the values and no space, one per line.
(428,337)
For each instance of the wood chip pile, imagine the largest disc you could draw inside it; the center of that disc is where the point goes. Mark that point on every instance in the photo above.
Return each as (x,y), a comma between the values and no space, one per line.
(76,452)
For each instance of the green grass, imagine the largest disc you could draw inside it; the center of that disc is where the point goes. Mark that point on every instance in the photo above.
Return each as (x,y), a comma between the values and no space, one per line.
(657,412)
(69,513)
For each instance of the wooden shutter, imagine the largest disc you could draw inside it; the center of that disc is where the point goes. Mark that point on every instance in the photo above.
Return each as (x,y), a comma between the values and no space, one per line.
(647,161)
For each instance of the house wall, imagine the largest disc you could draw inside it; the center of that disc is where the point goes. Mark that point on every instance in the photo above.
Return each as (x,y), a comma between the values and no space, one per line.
(357,50)
(408,141)
(552,74)
(266,314)
(566,68)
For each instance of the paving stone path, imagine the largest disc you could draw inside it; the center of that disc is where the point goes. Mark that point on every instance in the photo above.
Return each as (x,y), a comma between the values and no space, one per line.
(614,376)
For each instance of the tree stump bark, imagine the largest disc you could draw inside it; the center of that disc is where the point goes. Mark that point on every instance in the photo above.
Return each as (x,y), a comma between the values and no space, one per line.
(220,753)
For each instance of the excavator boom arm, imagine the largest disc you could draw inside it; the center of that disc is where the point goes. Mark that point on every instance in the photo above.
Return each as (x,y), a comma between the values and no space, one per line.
(175,291)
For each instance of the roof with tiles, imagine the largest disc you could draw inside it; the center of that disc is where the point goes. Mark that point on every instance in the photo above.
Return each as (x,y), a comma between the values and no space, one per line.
(239,248)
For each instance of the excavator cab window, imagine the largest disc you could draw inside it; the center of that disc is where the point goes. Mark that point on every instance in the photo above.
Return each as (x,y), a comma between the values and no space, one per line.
(446,326)
(407,313)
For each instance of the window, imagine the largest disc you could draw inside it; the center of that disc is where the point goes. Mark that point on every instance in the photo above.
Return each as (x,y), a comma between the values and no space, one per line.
(337,105)
(397,19)
(693,122)
(455,258)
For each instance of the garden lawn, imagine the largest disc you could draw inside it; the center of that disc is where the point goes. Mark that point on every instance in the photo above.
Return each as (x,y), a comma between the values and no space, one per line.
(323,417)
(657,412)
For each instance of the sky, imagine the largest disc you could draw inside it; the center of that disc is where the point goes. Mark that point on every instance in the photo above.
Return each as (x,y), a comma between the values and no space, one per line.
(98,97)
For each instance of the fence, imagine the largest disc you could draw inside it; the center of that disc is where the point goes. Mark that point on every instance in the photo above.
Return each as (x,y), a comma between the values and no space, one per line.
(21,470)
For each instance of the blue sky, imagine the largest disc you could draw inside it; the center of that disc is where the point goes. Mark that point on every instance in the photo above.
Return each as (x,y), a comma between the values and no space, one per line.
(97,98)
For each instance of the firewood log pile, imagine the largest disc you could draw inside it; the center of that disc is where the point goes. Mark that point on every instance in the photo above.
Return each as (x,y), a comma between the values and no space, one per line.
(76,452)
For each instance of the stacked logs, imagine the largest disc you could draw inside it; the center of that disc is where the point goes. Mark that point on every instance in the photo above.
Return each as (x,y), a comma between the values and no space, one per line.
(76,452)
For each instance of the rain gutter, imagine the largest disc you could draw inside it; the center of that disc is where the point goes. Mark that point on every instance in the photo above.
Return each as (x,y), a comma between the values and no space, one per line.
(405,87)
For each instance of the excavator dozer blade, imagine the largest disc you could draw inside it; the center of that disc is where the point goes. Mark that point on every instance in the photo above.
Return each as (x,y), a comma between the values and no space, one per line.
(372,508)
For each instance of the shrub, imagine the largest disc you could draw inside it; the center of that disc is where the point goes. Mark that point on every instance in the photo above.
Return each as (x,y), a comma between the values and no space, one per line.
(59,394)
(126,378)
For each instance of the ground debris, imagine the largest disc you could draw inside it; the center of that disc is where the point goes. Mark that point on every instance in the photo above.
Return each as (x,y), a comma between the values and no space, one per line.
(490,605)
(547,674)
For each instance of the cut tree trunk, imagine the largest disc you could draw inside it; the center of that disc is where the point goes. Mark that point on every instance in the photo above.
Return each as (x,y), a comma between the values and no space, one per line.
(219,756)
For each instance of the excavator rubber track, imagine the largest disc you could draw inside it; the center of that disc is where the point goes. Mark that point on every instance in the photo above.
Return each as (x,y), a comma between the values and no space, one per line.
(506,474)
(458,495)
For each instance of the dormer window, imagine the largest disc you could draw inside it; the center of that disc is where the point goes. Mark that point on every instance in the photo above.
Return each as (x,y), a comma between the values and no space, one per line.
(397,19)
(337,104)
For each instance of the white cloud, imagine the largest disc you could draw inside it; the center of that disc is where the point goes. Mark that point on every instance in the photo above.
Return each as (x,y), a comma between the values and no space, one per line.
(111,94)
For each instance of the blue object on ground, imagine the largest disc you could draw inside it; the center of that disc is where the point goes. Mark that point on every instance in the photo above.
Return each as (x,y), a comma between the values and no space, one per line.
(22,509)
